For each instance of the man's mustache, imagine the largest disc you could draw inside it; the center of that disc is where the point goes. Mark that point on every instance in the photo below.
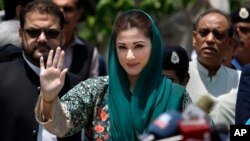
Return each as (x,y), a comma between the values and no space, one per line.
(43,47)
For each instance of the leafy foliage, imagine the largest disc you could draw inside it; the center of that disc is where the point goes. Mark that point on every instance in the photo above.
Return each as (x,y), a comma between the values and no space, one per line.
(97,28)
(1,4)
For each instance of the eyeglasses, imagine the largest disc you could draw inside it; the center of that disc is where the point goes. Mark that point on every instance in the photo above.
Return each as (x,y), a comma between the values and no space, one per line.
(68,9)
(49,33)
(244,30)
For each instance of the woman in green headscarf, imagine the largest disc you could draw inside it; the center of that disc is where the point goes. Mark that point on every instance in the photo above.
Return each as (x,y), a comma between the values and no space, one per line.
(121,106)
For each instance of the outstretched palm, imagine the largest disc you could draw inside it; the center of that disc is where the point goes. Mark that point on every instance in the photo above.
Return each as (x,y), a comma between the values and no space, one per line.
(52,76)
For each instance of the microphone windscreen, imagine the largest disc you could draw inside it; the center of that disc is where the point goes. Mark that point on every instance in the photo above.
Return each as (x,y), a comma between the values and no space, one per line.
(200,109)
(166,125)
(205,103)
(195,129)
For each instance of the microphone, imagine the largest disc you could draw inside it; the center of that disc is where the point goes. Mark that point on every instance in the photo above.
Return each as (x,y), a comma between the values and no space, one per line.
(194,122)
(195,129)
(166,125)
(200,130)
(197,124)
(200,109)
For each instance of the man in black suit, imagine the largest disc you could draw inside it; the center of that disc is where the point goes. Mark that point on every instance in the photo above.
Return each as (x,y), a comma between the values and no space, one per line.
(81,57)
(9,52)
(242,112)
(41,31)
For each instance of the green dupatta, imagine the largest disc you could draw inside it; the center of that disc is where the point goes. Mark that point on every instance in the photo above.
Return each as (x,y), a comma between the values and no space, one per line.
(153,94)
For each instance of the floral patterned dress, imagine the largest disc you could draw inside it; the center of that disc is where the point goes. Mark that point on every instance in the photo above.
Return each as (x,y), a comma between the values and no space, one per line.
(86,106)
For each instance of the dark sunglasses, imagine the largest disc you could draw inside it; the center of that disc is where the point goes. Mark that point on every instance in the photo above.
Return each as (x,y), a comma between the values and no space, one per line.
(244,30)
(49,33)
(68,9)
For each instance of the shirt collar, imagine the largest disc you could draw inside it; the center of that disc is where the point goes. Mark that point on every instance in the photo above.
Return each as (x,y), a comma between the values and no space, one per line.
(76,41)
(204,70)
(32,66)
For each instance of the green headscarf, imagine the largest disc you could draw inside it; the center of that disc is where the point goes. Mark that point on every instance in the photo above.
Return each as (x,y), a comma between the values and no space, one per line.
(130,114)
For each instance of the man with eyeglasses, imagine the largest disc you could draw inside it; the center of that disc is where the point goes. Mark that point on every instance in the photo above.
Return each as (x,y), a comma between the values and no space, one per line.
(241,21)
(81,57)
(41,33)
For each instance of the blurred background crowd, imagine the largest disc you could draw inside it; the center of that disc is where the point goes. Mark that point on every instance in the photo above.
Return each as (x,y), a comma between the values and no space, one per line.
(175,18)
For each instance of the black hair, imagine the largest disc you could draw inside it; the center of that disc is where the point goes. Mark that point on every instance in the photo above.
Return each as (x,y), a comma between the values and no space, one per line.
(176,58)
(229,20)
(43,6)
(132,19)
(10,7)
(88,7)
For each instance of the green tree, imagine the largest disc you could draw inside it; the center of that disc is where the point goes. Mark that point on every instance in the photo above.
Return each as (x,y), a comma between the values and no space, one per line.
(1,4)
(97,28)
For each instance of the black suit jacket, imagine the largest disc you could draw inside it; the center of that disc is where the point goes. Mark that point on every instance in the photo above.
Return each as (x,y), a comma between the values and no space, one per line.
(81,61)
(19,90)
(242,113)
(9,52)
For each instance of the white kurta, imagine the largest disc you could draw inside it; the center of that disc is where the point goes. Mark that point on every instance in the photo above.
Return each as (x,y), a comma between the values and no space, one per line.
(223,87)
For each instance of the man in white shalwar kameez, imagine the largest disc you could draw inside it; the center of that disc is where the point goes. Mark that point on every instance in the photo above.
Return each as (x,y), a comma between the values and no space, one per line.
(211,38)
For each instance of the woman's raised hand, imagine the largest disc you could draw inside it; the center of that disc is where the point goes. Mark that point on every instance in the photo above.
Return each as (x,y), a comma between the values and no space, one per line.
(52,75)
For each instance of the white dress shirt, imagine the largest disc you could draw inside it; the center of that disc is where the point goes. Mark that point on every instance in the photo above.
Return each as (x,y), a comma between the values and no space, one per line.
(223,87)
